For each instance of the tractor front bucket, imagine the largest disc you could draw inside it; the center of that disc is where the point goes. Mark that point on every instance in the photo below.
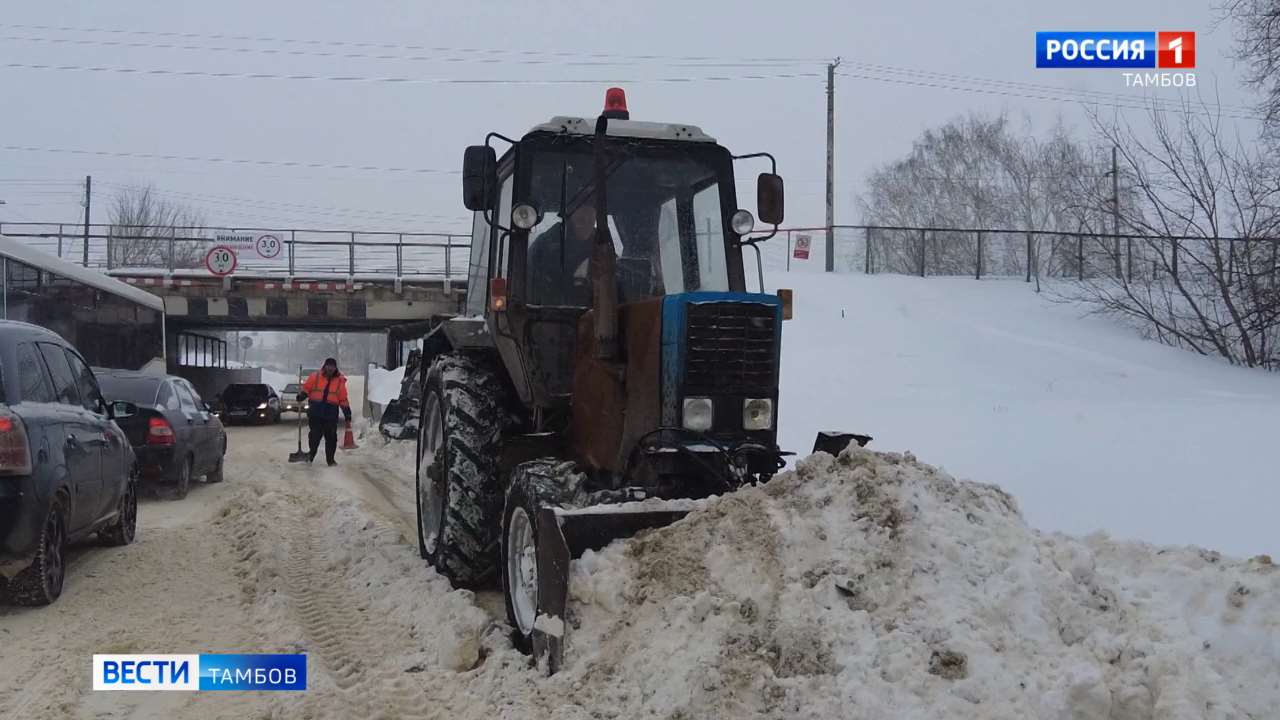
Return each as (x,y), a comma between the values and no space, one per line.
(564,535)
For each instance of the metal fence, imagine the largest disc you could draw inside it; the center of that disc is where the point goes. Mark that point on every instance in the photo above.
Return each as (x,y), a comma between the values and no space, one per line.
(1025,254)
(295,252)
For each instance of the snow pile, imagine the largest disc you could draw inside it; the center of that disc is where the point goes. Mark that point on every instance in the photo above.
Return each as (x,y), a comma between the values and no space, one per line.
(384,385)
(874,586)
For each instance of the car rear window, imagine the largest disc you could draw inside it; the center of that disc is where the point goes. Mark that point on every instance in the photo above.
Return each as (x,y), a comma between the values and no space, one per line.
(137,390)
(235,393)
(292,389)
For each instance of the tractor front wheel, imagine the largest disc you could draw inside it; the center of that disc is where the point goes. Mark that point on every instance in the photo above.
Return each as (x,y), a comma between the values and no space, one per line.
(534,485)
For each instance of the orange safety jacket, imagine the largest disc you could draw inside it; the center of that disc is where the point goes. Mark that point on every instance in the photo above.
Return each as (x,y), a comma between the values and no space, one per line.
(326,395)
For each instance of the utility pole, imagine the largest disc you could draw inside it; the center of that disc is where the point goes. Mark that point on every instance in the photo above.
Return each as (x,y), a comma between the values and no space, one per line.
(88,196)
(831,163)
(1115,213)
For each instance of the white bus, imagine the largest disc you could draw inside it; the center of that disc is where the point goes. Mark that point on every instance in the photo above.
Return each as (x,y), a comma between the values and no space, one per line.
(114,325)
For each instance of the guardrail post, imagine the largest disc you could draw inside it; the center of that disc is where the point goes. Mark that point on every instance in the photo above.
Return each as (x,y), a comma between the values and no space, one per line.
(351,256)
(59,240)
(1175,258)
(977,273)
(1080,255)
(788,251)
(1028,257)
(866,263)
(173,241)
(448,265)
(922,251)
(400,255)
(293,240)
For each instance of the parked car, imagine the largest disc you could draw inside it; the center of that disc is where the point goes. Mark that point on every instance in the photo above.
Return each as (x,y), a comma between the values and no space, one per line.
(250,402)
(289,402)
(66,469)
(174,434)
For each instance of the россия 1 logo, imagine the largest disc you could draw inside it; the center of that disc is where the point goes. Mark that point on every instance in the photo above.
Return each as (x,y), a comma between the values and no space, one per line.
(1165,50)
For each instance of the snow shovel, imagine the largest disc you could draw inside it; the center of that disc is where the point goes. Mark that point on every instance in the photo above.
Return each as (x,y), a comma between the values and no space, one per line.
(301,455)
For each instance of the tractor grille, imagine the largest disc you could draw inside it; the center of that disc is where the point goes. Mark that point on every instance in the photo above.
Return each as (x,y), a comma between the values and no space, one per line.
(732,348)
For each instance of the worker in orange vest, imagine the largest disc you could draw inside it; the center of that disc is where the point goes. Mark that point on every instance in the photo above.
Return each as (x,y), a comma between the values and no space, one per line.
(326,392)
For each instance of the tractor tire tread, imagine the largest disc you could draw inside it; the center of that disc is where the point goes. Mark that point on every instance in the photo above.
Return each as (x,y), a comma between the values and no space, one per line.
(476,404)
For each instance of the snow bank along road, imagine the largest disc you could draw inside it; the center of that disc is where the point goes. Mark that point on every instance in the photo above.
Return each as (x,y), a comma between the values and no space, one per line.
(868,586)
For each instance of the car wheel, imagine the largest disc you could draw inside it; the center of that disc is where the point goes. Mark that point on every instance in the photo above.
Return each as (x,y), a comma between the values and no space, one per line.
(183,485)
(215,476)
(41,583)
(126,526)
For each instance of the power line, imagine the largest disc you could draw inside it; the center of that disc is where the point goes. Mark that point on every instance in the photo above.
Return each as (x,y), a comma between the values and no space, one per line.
(1052,98)
(972,79)
(531,59)
(229,161)
(394,46)
(225,75)
(323,209)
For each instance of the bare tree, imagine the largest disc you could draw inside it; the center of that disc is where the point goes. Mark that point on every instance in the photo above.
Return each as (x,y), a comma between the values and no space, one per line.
(146,228)
(1207,210)
(976,172)
(1257,35)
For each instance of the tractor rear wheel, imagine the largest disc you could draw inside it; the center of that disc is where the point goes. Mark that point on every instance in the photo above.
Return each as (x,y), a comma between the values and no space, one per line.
(466,409)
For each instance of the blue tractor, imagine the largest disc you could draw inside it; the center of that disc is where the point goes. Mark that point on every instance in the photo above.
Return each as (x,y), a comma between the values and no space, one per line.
(610,364)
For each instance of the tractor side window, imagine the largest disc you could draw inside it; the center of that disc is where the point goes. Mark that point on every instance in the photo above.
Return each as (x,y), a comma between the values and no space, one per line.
(504,218)
(478,266)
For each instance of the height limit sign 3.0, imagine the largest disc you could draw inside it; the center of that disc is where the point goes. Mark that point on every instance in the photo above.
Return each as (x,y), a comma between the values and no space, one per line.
(221,260)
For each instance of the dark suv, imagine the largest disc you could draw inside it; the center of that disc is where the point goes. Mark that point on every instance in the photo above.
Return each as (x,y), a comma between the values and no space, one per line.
(66,469)
(250,402)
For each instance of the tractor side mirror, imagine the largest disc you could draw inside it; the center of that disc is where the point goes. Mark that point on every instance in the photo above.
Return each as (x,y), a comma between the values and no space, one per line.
(769,200)
(479,177)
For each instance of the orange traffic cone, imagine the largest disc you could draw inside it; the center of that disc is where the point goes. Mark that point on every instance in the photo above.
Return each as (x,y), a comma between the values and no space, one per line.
(349,439)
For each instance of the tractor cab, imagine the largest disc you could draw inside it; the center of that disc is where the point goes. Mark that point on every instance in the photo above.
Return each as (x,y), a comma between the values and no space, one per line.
(586,234)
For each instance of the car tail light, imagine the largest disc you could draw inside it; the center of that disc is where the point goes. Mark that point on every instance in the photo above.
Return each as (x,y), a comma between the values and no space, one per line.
(15,452)
(159,432)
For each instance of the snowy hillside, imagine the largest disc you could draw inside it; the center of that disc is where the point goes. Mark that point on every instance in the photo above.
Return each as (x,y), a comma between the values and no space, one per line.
(1088,425)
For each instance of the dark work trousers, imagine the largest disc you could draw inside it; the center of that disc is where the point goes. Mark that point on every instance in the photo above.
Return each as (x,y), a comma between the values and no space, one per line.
(329,430)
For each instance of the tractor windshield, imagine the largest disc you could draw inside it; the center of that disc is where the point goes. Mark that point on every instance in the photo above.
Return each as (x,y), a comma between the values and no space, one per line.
(665,216)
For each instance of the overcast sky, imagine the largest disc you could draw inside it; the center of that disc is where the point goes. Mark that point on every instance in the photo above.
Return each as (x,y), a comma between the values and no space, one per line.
(424,126)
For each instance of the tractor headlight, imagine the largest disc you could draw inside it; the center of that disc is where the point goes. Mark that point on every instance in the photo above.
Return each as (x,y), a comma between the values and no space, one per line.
(757,414)
(742,222)
(697,413)
(524,216)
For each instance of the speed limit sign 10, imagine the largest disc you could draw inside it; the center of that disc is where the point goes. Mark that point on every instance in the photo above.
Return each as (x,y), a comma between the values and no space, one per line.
(268,246)
(221,260)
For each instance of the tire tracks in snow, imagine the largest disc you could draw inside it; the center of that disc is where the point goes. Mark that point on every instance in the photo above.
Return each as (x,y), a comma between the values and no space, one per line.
(349,647)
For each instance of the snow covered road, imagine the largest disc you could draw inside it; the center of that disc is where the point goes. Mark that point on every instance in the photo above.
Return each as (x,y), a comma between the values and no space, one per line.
(885,565)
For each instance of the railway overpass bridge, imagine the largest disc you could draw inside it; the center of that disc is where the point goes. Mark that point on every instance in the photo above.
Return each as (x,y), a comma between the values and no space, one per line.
(276,279)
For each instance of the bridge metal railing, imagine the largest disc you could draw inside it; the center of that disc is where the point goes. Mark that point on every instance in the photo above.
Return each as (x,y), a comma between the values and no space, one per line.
(259,252)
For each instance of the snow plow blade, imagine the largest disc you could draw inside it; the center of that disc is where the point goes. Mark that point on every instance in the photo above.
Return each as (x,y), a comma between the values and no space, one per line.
(562,536)
(834,442)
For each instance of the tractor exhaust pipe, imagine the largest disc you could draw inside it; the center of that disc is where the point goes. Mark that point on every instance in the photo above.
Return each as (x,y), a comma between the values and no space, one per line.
(604,285)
